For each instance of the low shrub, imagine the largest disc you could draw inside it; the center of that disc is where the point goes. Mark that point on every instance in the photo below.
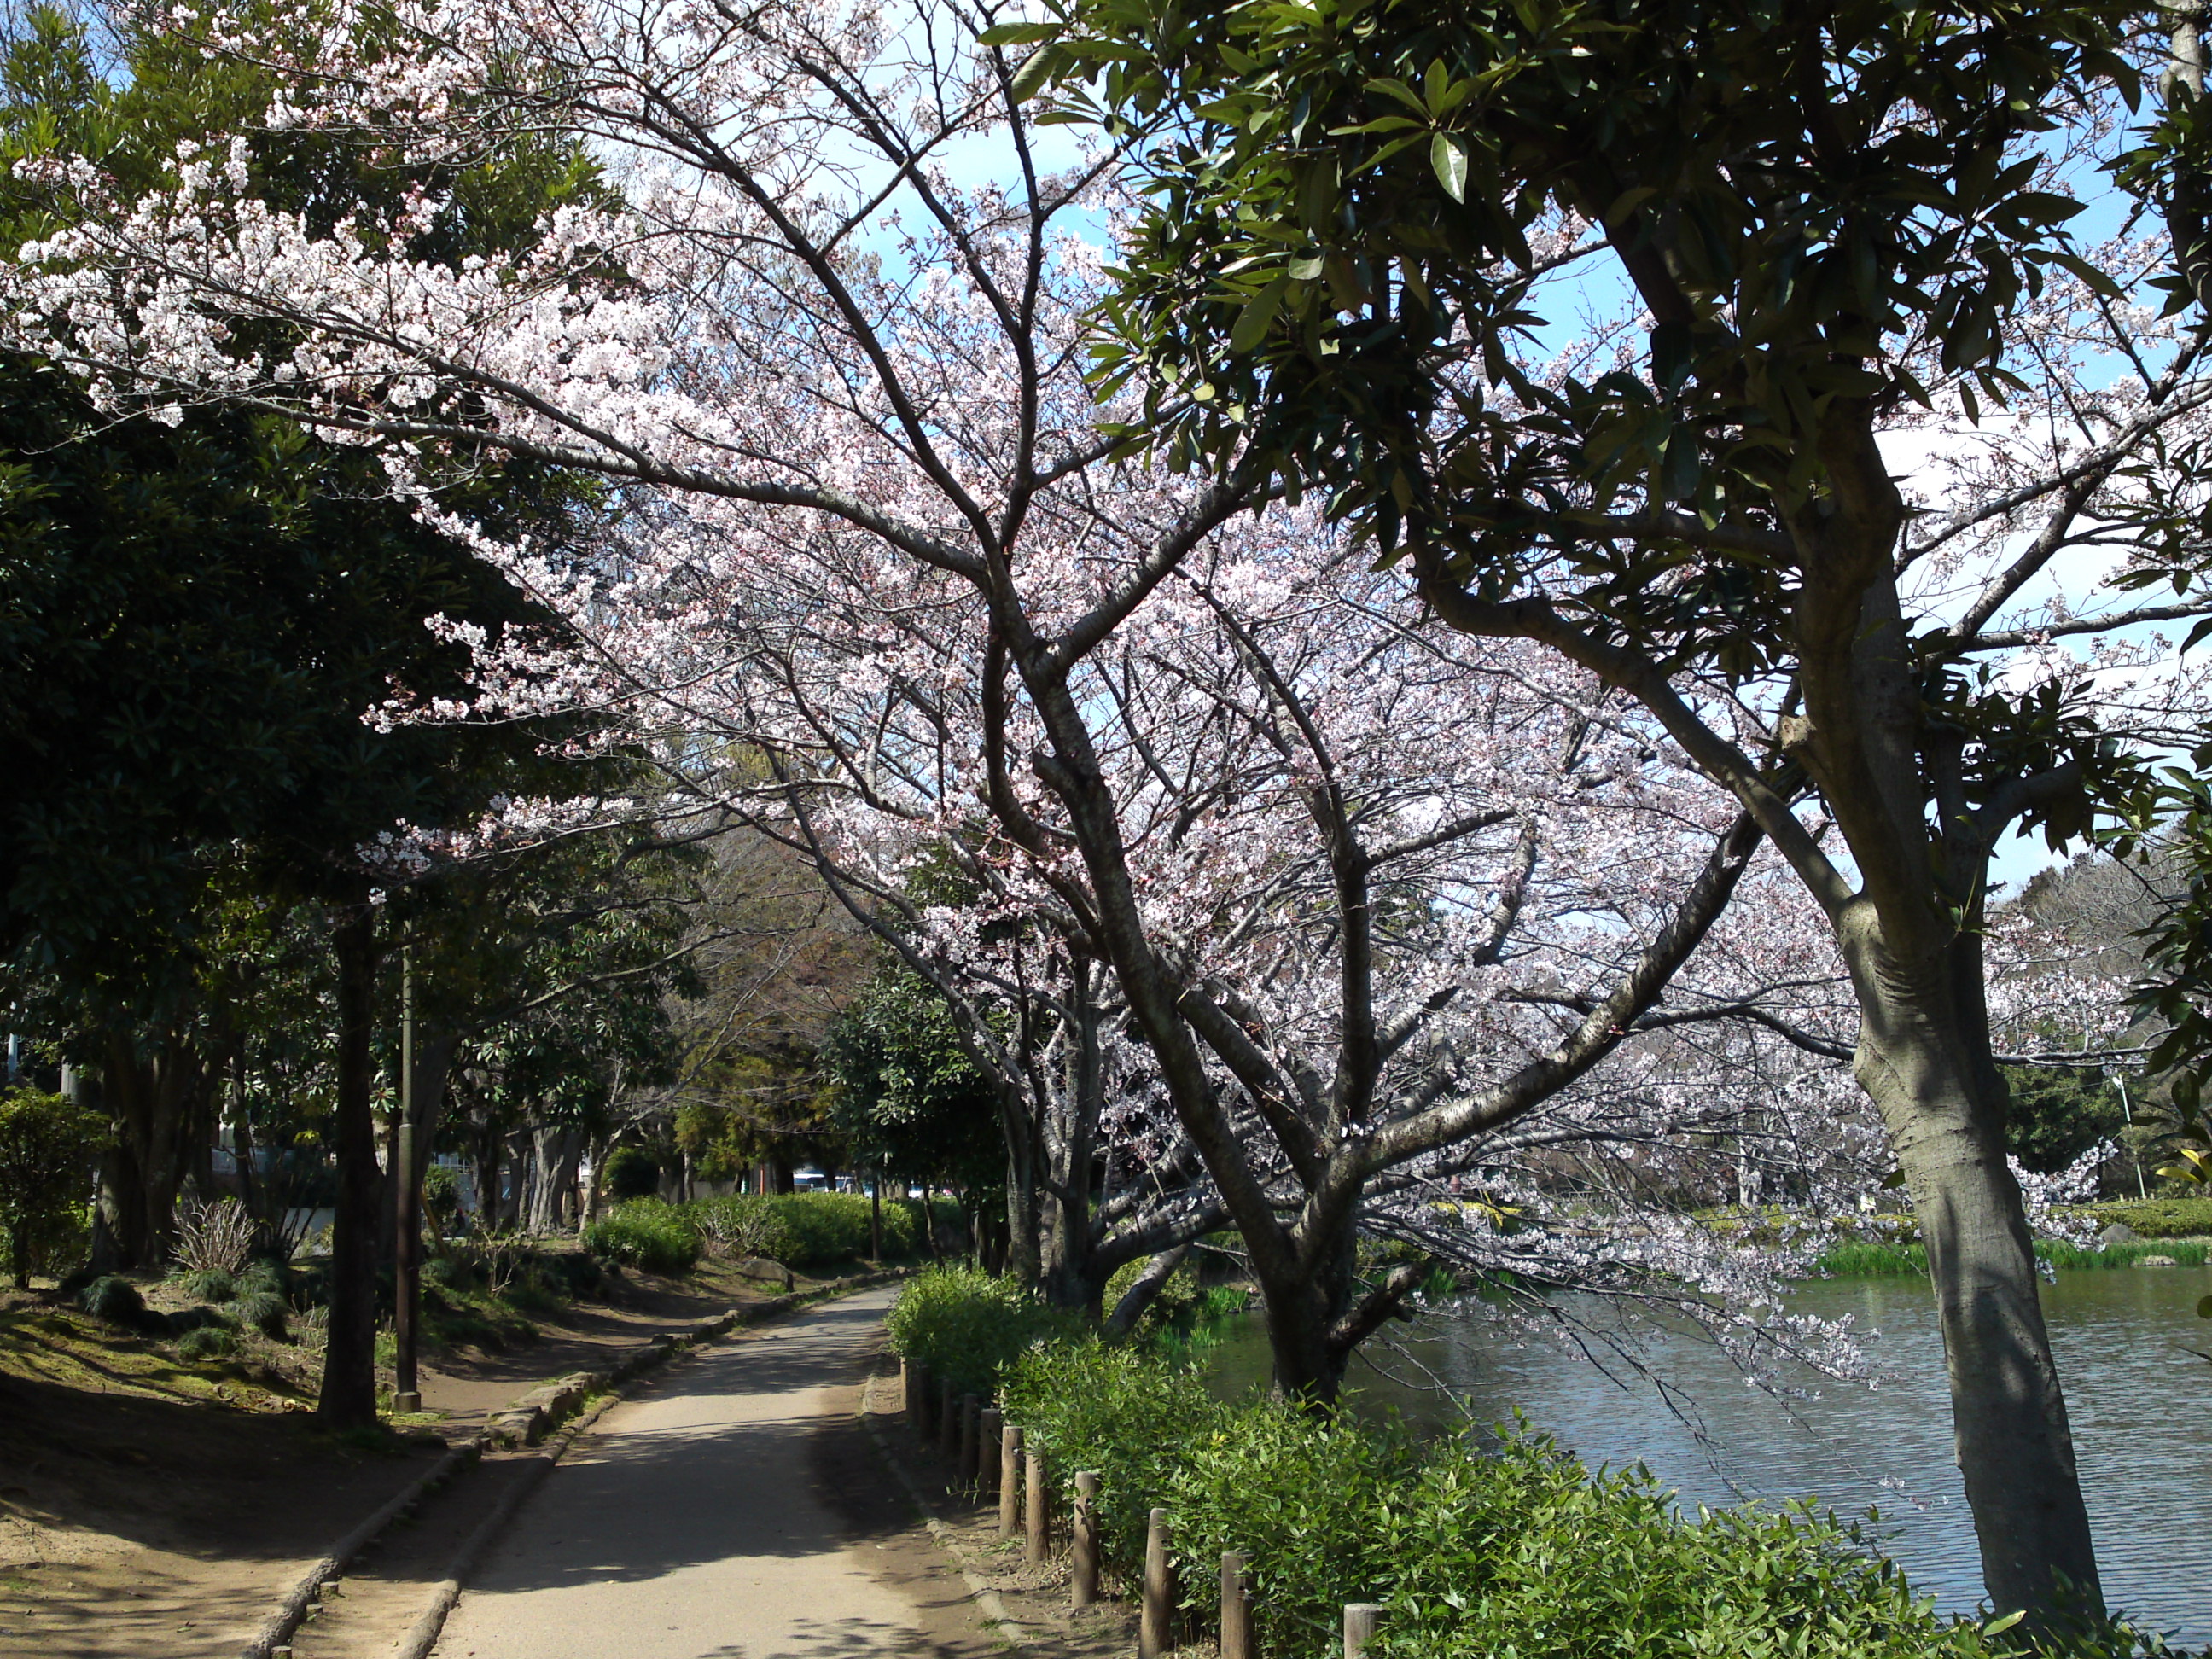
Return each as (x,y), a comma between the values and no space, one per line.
(801,1230)
(262,1310)
(114,1299)
(1134,1419)
(205,1284)
(969,1327)
(207,1342)
(185,1321)
(215,1237)
(1513,1549)
(2161,1217)
(743,1225)
(441,1198)
(646,1233)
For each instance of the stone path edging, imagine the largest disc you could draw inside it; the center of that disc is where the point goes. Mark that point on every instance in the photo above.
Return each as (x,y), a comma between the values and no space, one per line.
(1015,1634)
(525,1422)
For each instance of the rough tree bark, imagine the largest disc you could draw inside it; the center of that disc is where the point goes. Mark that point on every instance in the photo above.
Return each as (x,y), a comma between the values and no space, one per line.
(348,1391)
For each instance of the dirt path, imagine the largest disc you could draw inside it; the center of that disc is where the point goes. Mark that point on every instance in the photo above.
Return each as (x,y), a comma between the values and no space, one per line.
(734,1511)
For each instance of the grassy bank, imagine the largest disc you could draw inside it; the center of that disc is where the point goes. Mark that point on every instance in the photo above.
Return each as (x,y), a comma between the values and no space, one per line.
(1474,1549)
(1871,1257)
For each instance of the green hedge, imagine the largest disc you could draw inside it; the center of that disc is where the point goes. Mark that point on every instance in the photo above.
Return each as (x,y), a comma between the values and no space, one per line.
(1513,1551)
(646,1233)
(2161,1217)
(970,1328)
(802,1229)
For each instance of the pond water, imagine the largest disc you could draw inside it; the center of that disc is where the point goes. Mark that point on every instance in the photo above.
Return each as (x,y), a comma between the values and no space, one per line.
(2140,1401)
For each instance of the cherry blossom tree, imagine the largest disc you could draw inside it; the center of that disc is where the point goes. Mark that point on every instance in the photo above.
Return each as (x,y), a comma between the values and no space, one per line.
(1855,428)
(1384,911)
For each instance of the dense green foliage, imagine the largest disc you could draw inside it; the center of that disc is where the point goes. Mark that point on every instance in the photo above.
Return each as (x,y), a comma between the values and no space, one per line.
(799,1229)
(646,1233)
(904,1092)
(630,1172)
(1882,1256)
(970,1328)
(1513,1549)
(803,1229)
(2057,1113)
(47,1144)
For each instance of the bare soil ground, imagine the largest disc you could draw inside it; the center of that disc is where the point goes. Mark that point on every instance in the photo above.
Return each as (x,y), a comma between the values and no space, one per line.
(152,1508)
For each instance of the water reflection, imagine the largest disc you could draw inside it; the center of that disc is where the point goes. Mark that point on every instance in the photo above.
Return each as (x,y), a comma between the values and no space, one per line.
(2140,1401)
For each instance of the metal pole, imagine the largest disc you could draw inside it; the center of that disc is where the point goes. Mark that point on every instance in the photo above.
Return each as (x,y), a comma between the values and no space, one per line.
(407,1244)
(2127,1114)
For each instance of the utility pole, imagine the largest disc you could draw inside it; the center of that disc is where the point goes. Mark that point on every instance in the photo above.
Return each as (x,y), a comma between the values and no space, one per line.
(408,1245)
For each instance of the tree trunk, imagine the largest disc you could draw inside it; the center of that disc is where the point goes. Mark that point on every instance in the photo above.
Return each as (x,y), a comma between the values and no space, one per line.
(1924,1060)
(348,1393)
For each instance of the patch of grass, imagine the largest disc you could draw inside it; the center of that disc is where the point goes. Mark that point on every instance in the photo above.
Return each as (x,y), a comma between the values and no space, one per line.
(1869,1258)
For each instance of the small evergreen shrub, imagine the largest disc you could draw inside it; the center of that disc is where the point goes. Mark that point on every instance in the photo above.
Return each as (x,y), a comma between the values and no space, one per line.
(646,1233)
(205,1284)
(969,1327)
(114,1299)
(263,1311)
(207,1342)
(441,1199)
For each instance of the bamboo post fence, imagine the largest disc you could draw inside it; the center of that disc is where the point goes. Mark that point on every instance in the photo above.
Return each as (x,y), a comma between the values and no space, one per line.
(1010,1478)
(1035,1515)
(1360,1621)
(1236,1609)
(1084,1544)
(1153,1636)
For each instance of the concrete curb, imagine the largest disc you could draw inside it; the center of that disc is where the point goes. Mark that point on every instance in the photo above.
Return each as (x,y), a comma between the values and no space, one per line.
(277,1628)
(524,1423)
(1014,1634)
(422,1635)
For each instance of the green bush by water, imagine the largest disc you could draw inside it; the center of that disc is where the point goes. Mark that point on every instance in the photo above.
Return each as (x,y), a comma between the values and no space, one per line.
(1512,1550)
(970,1328)
(646,1233)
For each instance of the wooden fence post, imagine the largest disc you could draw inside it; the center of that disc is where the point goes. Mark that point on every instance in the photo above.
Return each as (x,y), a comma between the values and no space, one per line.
(1360,1619)
(920,1388)
(948,1418)
(990,1454)
(1010,1480)
(1236,1608)
(1152,1638)
(971,1409)
(1083,1545)
(1033,1514)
